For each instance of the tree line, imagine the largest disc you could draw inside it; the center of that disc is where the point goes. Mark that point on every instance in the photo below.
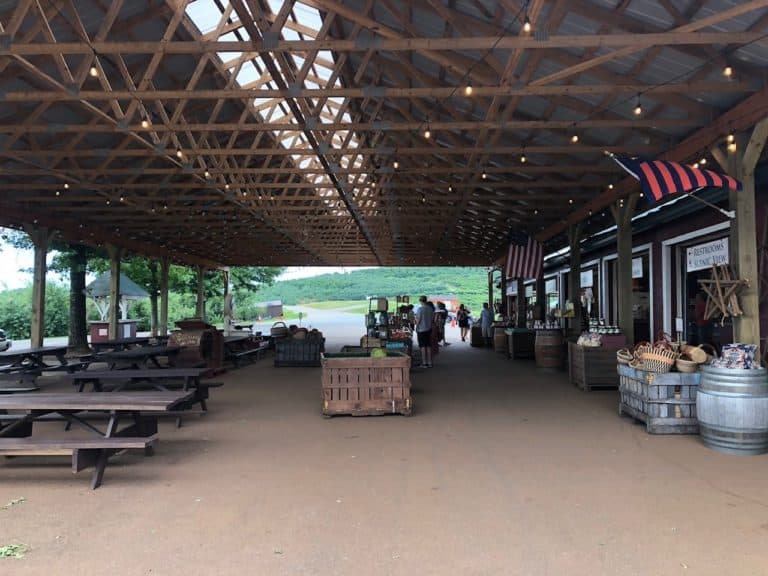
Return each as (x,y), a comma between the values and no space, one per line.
(68,310)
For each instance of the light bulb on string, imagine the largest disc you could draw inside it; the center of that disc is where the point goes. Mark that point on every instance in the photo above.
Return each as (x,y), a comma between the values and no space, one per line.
(727,71)
(468,89)
(575,138)
(66,186)
(93,71)
(207,175)
(427,133)
(703,161)
(484,175)
(638,107)
(731,138)
(396,165)
(145,123)
(527,24)
(523,158)
(179,153)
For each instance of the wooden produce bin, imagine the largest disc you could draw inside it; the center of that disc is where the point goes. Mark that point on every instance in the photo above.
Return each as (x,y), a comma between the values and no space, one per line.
(592,367)
(359,385)
(521,343)
(665,402)
(302,353)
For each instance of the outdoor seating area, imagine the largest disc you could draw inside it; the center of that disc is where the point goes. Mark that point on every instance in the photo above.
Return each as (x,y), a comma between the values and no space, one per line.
(355,287)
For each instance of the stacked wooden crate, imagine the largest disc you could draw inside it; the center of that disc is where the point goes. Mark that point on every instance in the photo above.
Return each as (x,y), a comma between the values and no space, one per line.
(291,352)
(360,385)
(592,367)
(665,402)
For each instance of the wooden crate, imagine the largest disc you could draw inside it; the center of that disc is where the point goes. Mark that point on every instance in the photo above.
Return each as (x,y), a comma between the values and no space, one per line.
(521,343)
(592,368)
(665,402)
(363,386)
(290,352)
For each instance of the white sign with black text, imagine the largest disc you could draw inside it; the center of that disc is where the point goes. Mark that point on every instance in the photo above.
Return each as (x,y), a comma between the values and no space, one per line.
(637,267)
(707,255)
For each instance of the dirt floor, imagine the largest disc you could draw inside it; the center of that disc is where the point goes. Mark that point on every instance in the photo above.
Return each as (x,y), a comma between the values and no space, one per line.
(503,469)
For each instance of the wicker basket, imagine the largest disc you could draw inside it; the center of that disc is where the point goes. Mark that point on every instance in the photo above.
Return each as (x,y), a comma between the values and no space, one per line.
(624,356)
(688,366)
(658,360)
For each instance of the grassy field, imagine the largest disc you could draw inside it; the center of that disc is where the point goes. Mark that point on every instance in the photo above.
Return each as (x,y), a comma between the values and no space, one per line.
(351,306)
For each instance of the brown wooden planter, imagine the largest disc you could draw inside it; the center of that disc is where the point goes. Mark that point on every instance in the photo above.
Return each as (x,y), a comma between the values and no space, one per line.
(592,368)
(363,386)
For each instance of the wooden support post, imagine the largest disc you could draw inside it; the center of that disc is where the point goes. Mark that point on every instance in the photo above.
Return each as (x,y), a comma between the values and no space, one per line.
(574,279)
(40,238)
(541,299)
(504,309)
(165,265)
(490,289)
(622,214)
(521,311)
(743,238)
(201,293)
(115,254)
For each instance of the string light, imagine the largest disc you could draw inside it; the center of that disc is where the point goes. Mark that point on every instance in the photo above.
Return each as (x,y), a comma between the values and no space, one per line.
(484,176)
(58,192)
(450,188)
(396,164)
(427,133)
(727,71)
(523,158)
(468,89)
(66,186)
(145,123)
(610,186)
(703,161)
(638,107)
(731,138)
(179,153)
(575,138)
(226,186)
(526,24)
(94,72)
(207,175)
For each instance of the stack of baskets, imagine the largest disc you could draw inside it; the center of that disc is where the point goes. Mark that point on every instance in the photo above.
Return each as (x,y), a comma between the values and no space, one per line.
(664,355)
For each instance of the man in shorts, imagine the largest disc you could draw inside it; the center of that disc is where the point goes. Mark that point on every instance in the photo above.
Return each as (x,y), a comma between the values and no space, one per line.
(424,316)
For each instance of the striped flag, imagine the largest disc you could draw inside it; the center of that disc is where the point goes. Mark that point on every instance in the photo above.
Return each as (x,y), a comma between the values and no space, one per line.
(525,258)
(659,178)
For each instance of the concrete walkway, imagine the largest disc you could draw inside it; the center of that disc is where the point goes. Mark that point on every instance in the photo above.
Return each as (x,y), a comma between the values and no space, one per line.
(503,469)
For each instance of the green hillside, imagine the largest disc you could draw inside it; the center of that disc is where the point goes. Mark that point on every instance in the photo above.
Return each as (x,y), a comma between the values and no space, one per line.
(469,284)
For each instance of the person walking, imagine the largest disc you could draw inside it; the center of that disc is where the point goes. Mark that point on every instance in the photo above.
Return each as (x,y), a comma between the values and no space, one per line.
(441,317)
(462,317)
(486,322)
(424,319)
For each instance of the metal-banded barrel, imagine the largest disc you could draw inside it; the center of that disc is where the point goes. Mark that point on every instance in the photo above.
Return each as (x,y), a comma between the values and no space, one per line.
(548,349)
(732,409)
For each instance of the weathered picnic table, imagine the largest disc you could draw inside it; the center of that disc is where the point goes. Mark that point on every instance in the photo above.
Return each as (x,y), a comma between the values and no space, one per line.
(238,347)
(137,358)
(187,379)
(141,409)
(120,344)
(33,358)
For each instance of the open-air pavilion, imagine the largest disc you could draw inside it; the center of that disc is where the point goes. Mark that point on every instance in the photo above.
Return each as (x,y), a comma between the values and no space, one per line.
(336,132)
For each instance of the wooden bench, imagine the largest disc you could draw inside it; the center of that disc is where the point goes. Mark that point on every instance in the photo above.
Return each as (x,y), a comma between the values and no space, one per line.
(85,452)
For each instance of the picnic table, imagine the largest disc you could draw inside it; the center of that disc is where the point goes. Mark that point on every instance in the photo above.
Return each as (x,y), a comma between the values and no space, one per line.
(241,346)
(120,343)
(33,358)
(188,379)
(141,409)
(137,358)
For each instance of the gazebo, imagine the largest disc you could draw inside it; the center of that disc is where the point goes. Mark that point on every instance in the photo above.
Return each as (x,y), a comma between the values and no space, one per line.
(99,292)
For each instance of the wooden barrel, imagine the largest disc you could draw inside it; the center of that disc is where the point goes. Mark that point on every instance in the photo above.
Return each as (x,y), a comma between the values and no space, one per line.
(549,350)
(732,409)
(499,339)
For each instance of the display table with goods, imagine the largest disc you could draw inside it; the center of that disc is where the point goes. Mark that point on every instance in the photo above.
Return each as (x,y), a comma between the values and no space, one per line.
(366,384)
(302,348)
(520,343)
(592,364)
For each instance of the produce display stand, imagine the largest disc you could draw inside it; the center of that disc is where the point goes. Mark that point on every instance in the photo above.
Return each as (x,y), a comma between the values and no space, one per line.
(665,402)
(592,367)
(521,343)
(359,385)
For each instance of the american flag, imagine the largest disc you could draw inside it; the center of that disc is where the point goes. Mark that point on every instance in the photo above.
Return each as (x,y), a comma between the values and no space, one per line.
(659,178)
(525,258)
